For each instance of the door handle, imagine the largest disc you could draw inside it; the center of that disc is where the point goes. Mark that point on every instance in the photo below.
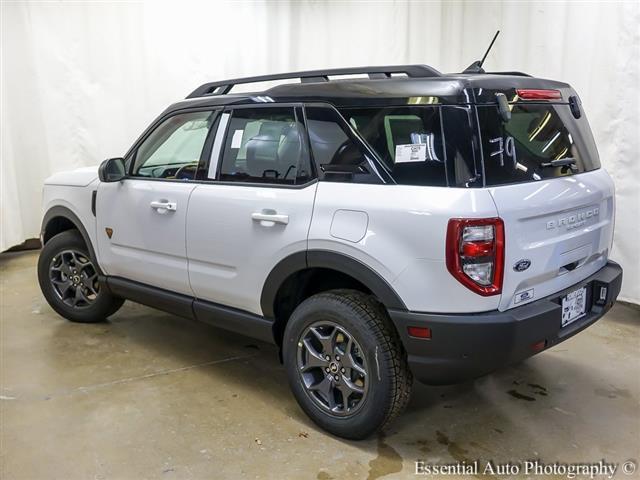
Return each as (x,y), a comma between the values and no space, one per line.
(270,216)
(162,206)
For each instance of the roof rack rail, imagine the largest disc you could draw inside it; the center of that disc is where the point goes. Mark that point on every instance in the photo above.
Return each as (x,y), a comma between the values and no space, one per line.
(223,87)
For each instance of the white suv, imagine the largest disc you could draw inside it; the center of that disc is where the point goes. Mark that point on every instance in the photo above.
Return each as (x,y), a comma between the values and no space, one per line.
(399,224)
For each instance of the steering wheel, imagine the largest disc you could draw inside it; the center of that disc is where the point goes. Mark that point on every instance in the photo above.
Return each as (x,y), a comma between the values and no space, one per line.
(186,172)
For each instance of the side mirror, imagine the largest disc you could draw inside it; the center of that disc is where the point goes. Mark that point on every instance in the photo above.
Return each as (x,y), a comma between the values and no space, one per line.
(112,170)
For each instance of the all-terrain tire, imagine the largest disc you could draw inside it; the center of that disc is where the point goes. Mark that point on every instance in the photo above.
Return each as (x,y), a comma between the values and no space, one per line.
(388,378)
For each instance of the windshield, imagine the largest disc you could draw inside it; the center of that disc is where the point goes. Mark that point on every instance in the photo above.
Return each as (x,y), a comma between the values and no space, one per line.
(540,141)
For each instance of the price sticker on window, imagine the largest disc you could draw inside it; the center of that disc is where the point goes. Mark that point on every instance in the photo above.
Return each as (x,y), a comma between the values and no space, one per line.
(411,153)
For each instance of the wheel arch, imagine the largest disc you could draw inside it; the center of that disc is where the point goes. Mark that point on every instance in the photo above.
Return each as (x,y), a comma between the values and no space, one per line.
(344,271)
(59,219)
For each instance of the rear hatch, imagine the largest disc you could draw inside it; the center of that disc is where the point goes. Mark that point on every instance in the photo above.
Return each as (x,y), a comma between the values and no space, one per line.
(558,218)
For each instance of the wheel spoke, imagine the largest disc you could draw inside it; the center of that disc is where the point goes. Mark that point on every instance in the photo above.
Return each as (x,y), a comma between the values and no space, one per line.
(74,257)
(347,387)
(325,388)
(327,341)
(91,278)
(82,265)
(62,286)
(314,358)
(349,346)
(93,290)
(79,296)
(348,360)
(90,282)
(64,266)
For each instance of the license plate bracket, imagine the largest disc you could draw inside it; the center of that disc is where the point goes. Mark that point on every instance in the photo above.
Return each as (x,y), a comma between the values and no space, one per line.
(574,306)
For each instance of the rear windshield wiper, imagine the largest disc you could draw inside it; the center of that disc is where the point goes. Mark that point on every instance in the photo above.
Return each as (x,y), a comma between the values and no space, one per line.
(560,162)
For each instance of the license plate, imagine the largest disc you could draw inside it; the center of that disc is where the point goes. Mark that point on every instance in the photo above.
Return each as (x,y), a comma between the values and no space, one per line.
(574,306)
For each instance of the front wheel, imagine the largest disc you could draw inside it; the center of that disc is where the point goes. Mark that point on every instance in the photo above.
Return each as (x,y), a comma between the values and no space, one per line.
(345,364)
(69,280)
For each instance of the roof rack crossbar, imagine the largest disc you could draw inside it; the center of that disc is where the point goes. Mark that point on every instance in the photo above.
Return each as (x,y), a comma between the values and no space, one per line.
(223,87)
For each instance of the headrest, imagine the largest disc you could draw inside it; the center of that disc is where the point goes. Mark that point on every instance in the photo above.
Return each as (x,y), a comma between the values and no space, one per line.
(271,131)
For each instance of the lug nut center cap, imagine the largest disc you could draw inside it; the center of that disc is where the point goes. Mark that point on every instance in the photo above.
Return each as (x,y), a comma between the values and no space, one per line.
(334,367)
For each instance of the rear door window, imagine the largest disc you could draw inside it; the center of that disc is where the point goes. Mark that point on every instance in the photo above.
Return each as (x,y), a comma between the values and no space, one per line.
(265,145)
(524,148)
(408,140)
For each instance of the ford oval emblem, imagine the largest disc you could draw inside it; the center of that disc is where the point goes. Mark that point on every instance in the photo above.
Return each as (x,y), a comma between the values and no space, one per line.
(522,265)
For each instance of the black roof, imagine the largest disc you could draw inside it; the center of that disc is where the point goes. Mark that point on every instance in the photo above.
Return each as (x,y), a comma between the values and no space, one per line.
(382,85)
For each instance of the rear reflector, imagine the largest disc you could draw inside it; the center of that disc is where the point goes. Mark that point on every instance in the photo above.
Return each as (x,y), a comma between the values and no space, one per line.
(535,94)
(539,346)
(419,332)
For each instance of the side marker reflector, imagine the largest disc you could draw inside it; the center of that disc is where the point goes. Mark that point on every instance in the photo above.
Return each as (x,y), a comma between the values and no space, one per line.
(539,346)
(419,332)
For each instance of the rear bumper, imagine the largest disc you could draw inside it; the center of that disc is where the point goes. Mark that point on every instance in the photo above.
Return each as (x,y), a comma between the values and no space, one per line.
(463,347)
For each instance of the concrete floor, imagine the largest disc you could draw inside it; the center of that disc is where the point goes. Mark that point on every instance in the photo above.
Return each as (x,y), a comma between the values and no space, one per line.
(149,395)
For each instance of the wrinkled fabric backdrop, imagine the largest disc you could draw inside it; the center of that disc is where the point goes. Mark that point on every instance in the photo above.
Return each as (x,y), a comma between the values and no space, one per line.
(80,81)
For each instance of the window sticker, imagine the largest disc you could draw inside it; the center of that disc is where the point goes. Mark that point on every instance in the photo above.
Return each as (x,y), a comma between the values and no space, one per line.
(429,140)
(236,141)
(411,153)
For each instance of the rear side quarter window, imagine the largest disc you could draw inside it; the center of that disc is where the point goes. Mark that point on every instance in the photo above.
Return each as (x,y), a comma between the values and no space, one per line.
(408,140)
(338,155)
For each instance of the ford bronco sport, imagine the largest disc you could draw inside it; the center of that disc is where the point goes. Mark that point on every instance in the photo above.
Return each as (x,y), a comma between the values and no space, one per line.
(393,224)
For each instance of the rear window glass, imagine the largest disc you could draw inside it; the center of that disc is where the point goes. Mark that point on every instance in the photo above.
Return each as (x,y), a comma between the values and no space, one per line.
(530,145)
(407,139)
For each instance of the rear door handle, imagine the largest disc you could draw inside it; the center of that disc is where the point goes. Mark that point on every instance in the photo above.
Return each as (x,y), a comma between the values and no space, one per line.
(270,216)
(163,206)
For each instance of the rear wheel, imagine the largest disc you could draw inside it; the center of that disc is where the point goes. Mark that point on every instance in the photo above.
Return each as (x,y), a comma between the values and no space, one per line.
(69,282)
(345,364)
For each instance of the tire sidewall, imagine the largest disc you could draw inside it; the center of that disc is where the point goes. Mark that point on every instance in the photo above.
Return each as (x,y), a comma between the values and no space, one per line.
(377,400)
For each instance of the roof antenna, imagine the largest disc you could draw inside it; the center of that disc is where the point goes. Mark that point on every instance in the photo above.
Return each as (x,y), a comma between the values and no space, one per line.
(476,67)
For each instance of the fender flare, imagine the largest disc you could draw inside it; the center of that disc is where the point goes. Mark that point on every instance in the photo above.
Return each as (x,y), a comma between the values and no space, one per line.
(64,212)
(332,260)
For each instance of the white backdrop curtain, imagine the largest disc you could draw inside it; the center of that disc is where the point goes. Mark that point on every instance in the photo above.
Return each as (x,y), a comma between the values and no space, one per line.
(81,80)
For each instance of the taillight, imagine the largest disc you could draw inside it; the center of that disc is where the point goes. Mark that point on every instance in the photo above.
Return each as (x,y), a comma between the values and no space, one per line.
(475,253)
(537,94)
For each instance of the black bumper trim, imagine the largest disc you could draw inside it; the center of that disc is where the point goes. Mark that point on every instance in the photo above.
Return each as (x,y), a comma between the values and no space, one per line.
(466,346)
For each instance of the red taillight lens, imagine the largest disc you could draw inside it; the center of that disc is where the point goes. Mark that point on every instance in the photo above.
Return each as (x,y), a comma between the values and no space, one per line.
(475,253)
(535,94)
(477,249)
